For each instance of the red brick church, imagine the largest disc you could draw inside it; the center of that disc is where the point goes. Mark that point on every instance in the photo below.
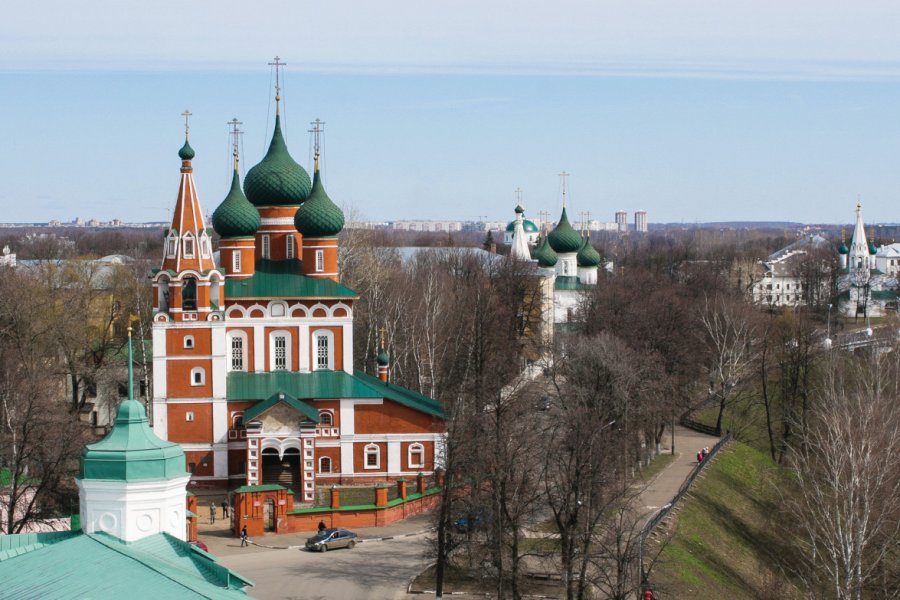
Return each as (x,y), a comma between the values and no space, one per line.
(253,350)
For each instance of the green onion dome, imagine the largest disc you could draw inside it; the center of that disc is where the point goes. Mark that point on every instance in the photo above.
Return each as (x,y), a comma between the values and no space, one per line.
(186,152)
(564,238)
(132,451)
(383,359)
(235,217)
(519,209)
(872,248)
(843,249)
(544,254)
(277,180)
(319,216)
(527,226)
(588,256)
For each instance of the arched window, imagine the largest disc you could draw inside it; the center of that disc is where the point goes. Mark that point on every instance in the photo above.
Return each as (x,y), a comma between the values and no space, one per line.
(204,245)
(416,456)
(237,420)
(188,341)
(280,351)
(189,294)
(326,419)
(372,457)
(188,242)
(198,376)
(163,298)
(323,347)
(325,465)
(172,244)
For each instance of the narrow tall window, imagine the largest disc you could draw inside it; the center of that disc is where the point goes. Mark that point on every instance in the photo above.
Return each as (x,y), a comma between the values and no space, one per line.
(236,262)
(280,353)
(189,294)
(373,457)
(320,261)
(321,352)
(265,246)
(188,246)
(289,246)
(237,353)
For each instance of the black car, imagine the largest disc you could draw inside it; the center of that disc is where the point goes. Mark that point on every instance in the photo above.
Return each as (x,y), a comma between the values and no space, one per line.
(329,539)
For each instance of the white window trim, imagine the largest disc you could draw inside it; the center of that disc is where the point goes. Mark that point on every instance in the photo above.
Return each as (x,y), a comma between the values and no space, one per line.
(371,449)
(287,349)
(330,464)
(189,243)
(328,412)
(419,449)
(189,342)
(289,246)
(320,261)
(242,335)
(204,245)
(235,416)
(266,246)
(198,371)
(327,333)
(236,261)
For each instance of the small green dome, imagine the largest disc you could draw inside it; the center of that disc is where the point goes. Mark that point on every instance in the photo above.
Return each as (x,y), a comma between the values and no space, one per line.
(564,238)
(519,209)
(277,180)
(872,248)
(544,254)
(383,359)
(132,451)
(319,216)
(527,226)
(235,217)
(186,152)
(588,255)
(843,249)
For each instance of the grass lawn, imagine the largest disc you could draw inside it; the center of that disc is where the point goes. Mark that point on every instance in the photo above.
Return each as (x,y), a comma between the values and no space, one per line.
(457,580)
(726,541)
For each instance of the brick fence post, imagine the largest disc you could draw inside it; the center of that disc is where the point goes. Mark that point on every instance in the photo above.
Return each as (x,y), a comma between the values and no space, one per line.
(335,498)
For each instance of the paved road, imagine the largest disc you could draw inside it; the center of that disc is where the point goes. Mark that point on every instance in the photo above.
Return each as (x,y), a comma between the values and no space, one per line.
(666,484)
(376,570)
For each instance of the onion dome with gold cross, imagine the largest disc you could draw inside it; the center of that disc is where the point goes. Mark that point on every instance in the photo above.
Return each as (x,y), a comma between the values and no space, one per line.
(319,216)
(186,152)
(588,255)
(236,217)
(544,254)
(564,238)
(277,180)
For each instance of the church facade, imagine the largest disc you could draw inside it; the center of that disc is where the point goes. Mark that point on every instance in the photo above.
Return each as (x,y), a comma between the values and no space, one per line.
(253,347)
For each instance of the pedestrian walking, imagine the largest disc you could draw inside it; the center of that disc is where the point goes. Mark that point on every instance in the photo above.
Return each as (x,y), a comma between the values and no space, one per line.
(321,526)
(699,457)
(212,512)
(224,508)
(244,540)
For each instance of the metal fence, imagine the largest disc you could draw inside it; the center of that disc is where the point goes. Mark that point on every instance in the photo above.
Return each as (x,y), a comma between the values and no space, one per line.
(661,514)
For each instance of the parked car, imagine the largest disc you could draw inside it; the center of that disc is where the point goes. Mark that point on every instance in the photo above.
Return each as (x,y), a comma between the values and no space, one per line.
(329,539)
(470,522)
(200,545)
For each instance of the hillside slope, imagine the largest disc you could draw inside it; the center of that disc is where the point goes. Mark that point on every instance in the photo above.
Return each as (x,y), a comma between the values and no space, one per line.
(727,537)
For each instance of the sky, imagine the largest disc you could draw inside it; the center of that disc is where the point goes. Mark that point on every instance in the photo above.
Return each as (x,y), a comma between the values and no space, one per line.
(697,110)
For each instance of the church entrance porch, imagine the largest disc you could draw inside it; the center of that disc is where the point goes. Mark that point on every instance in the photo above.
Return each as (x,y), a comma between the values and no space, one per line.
(283,470)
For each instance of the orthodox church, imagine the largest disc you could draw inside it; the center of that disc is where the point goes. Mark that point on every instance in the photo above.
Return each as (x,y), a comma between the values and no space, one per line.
(868,284)
(566,259)
(134,525)
(253,350)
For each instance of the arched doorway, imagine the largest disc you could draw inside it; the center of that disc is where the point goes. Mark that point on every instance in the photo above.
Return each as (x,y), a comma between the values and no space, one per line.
(283,470)
(269,515)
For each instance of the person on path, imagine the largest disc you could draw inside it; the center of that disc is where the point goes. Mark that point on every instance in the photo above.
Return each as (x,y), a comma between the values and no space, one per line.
(244,540)
(224,508)
(699,457)
(321,526)
(212,512)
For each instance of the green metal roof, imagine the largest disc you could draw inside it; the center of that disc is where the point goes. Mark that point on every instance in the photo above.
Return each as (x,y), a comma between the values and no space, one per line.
(298,405)
(69,565)
(884,295)
(266,487)
(284,279)
(325,385)
(132,451)
(527,225)
(570,283)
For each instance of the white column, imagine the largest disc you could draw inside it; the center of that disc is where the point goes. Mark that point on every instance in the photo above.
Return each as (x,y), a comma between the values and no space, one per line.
(393,457)
(160,389)
(346,458)
(219,369)
(220,460)
(348,347)
(259,349)
(347,416)
(303,346)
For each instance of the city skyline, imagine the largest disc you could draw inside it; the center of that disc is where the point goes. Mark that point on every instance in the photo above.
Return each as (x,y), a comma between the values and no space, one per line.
(698,114)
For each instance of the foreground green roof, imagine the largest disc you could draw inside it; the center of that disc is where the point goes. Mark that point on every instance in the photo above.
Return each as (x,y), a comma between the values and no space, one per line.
(284,279)
(70,565)
(324,385)
(132,451)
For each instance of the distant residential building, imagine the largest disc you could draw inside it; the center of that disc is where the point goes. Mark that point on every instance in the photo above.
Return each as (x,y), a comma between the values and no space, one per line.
(640,221)
(780,280)
(622,221)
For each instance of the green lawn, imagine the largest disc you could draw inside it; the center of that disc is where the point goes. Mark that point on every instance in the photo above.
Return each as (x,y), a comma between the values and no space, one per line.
(727,541)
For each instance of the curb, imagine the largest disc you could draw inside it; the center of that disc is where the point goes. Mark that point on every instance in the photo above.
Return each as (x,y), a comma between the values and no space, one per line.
(362,541)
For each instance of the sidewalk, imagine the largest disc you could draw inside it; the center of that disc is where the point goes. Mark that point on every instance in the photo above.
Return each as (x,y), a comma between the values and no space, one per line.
(664,487)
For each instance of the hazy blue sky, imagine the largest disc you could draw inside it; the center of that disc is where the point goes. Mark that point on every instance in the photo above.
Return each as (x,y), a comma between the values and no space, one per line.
(693,110)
